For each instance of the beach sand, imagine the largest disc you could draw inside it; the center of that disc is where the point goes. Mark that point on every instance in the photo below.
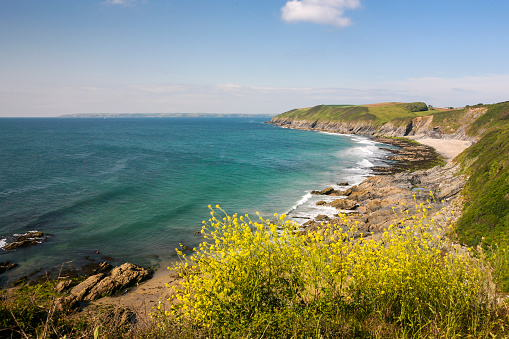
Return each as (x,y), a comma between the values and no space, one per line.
(146,297)
(448,148)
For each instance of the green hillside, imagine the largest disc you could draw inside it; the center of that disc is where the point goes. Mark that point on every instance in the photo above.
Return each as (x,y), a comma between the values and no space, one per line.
(486,210)
(378,114)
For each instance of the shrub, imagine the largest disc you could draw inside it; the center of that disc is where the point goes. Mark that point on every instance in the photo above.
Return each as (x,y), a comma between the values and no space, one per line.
(266,278)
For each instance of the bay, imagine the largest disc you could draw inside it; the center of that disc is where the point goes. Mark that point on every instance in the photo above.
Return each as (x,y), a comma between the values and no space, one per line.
(133,189)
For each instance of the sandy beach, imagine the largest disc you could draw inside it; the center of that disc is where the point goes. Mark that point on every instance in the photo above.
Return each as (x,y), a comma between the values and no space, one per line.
(448,148)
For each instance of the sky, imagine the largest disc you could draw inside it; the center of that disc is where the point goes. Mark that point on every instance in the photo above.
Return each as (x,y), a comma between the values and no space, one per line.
(239,56)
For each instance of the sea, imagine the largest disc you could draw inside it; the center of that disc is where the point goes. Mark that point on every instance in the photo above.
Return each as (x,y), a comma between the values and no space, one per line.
(133,189)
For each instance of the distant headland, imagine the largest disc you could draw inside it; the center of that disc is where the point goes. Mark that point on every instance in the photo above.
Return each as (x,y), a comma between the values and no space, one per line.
(163,115)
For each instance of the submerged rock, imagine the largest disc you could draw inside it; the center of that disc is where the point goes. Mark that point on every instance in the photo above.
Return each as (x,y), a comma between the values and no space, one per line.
(6,266)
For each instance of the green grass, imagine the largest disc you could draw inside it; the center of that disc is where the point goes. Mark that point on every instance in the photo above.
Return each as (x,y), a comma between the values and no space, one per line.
(485,218)
(397,113)
(486,209)
(448,121)
(497,116)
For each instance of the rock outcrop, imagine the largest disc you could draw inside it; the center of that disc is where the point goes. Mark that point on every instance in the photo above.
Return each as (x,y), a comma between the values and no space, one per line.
(383,200)
(103,284)
(25,240)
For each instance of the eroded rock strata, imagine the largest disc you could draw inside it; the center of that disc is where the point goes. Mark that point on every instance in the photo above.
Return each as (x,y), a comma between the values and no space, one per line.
(382,200)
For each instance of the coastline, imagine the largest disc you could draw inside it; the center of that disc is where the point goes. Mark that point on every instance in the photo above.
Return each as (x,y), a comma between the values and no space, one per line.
(374,199)
(370,204)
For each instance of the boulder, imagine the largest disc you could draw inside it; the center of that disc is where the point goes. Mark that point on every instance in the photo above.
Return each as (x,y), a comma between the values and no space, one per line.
(327,191)
(343,204)
(322,217)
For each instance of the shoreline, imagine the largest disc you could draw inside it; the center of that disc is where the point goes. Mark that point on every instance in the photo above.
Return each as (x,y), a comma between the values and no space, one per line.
(158,288)
(371,207)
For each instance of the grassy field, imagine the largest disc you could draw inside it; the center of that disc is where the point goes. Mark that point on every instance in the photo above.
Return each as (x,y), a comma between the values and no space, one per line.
(379,114)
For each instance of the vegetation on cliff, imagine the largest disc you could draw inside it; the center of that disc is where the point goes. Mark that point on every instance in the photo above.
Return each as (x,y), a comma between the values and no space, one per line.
(379,114)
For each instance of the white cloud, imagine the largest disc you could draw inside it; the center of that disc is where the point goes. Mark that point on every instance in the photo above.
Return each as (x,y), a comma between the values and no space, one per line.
(330,12)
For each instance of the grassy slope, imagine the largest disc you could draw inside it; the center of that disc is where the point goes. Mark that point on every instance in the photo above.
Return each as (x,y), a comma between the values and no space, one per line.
(397,113)
(486,210)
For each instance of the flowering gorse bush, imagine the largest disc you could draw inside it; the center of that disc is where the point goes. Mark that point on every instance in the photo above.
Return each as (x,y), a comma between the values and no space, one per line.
(256,277)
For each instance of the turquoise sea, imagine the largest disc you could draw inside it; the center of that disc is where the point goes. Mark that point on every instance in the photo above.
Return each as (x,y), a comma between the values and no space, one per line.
(133,189)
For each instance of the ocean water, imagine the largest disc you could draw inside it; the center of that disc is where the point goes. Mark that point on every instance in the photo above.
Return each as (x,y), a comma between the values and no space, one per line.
(133,189)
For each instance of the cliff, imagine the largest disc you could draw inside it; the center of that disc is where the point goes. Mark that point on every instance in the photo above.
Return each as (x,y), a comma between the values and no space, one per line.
(389,119)
(485,164)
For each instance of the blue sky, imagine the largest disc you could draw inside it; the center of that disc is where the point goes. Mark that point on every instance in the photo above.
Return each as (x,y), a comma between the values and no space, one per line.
(239,56)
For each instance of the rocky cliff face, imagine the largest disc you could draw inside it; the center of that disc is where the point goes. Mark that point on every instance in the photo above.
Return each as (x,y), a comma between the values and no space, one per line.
(422,127)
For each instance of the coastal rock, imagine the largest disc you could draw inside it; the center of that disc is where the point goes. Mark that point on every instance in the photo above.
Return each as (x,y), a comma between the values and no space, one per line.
(118,279)
(327,191)
(361,209)
(322,217)
(94,268)
(63,285)
(30,236)
(415,180)
(374,205)
(320,203)
(80,291)
(343,204)
(66,304)
(350,190)
(6,266)
(26,240)
(21,281)
(311,225)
